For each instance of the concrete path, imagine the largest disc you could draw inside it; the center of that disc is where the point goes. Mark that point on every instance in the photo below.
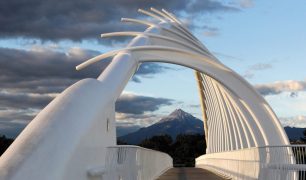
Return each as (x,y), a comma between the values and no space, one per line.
(189,174)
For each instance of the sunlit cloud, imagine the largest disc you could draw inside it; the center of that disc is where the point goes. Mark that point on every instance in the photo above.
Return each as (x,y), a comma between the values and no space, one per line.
(296,121)
(281,86)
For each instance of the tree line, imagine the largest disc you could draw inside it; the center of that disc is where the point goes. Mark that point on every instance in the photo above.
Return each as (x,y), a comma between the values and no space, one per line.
(4,143)
(183,150)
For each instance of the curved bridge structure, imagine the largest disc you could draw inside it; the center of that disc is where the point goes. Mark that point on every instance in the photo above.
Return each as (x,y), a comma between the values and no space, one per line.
(74,136)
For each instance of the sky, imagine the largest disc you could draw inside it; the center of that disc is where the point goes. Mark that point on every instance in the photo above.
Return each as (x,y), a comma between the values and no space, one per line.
(41,42)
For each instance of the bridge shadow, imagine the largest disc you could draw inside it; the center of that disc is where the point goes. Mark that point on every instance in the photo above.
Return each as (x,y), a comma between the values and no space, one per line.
(189,174)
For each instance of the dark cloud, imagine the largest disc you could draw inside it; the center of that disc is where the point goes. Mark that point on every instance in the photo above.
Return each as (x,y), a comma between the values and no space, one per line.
(24,100)
(151,68)
(137,104)
(136,79)
(83,19)
(30,79)
(148,70)
(41,63)
(42,70)
(11,129)
(293,94)
(12,122)
(204,6)
(281,86)
(18,113)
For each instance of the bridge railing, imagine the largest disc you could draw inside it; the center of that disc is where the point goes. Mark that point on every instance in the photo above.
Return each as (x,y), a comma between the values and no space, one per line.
(268,162)
(126,162)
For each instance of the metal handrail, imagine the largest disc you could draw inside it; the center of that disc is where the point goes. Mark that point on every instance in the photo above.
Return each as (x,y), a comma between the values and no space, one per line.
(137,147)
(133,162)
(286,162)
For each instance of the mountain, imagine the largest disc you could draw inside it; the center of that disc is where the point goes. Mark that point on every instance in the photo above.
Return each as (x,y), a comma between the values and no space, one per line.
(294,133)
(178,122)
(124,130)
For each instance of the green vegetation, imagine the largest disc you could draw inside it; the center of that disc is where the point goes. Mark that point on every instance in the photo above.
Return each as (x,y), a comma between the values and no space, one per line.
(184,150)
(303,139)
(4,143)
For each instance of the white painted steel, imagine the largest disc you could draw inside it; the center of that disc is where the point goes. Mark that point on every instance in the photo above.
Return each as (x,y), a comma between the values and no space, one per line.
(268,162)
(163,39)
(65,138)
(151,14)
(133,163)
(73,132)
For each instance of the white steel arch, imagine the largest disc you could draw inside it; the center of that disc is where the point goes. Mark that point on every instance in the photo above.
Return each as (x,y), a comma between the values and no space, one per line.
(239,123)
(267,129)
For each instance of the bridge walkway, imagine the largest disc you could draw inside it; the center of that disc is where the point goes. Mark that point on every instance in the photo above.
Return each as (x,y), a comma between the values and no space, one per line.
(189,174)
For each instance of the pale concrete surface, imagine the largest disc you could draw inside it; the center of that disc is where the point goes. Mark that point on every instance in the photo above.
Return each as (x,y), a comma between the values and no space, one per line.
(189,174)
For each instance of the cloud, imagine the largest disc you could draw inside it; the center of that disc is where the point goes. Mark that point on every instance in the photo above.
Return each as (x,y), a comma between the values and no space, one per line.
(260,66)
(281,86)
(17,116)
(11,129)
(139,110)
(295,121)
(204,6)
(24,100)
(250,72)
(12,121)
(246,3)
(140,120)
(41,70)
(148,70)
(82,19)
(211,33)
(138,104)
(195,106)
(30,79)
(151,68)
(41,63)
(17,110)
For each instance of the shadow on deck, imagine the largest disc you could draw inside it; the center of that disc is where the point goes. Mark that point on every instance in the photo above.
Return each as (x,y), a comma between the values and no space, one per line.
(189,174)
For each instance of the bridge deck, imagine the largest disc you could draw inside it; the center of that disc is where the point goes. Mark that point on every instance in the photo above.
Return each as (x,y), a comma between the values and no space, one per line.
(189,174)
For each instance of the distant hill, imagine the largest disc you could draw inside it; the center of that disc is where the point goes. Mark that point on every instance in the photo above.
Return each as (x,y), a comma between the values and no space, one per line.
(124,130)
(178,122)
(294,133)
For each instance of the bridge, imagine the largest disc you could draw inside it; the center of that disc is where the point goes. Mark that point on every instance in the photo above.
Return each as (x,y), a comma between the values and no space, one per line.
(74,136)
(189,174)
